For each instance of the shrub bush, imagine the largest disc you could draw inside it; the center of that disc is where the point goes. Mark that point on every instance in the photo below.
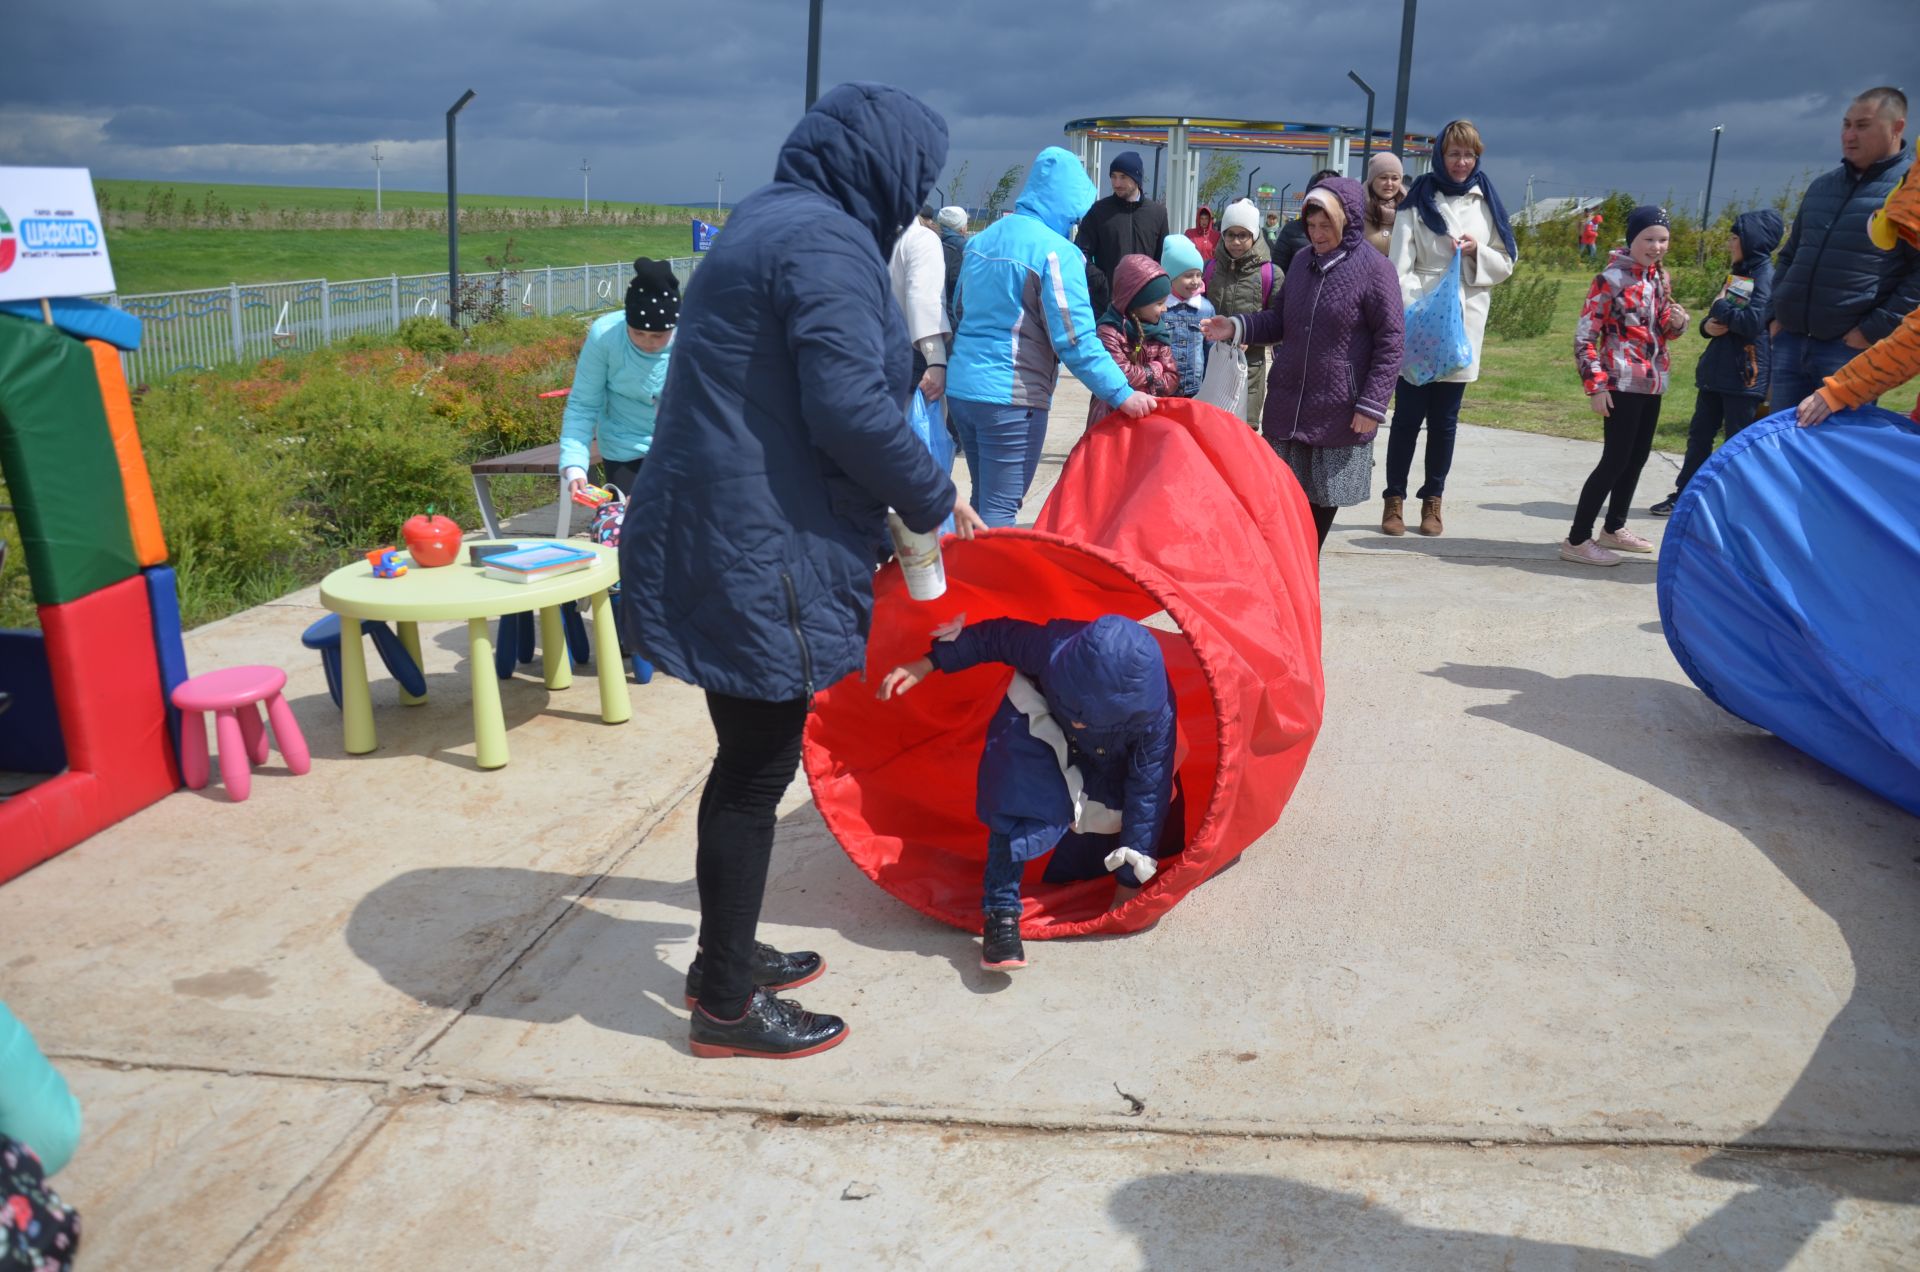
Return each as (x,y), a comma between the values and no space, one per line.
(1522,307)
(428,335)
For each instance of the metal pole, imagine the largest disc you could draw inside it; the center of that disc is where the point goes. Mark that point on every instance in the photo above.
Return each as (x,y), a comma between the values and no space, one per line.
(1157,152)
(813,52)
(1405,76)
(585,168)
(1366,142)
(719,189)
(1706,205)
(453,215)
(1250,177)
(377,222)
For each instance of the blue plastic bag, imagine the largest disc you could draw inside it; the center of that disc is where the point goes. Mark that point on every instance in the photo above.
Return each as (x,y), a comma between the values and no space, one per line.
(930,426)
(1435,343)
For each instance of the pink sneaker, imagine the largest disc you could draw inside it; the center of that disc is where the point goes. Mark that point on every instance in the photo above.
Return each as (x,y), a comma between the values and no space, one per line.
(1624,540)
(1588,553)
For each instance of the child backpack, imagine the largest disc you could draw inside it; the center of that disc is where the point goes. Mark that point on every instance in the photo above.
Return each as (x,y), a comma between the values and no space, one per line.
(1266,281)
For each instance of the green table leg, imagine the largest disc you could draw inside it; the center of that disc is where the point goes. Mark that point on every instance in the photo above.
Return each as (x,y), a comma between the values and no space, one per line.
(615,706)
(489,725)
(410,641)
(356,704)
(555,660)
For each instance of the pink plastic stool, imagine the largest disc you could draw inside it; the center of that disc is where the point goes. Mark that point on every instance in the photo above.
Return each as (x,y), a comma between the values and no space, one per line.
(231,695)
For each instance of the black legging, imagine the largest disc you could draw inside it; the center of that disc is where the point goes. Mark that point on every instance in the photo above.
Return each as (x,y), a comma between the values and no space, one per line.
(621,473)
(1629,440)
(1322,522)
(758,755)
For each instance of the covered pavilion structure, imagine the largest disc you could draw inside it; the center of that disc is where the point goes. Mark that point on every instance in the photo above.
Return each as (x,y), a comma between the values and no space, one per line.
(1182,138)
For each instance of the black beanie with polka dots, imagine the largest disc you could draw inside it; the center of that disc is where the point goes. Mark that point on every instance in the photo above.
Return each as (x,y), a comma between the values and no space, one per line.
(653,297)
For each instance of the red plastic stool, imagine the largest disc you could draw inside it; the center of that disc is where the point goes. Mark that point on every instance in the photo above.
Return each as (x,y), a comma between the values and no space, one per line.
(231,695)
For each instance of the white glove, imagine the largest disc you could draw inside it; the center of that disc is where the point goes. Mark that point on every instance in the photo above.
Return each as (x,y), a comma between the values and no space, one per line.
(1143,865)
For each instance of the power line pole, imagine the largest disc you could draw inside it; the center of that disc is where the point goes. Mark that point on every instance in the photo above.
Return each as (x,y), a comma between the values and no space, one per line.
(1406,75)
(1706,204)
(377,222)
(585,168)
(813,53)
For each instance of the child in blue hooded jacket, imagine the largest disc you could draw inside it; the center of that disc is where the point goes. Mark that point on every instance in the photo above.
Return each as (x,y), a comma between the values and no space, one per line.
(617,382)
(1079,759)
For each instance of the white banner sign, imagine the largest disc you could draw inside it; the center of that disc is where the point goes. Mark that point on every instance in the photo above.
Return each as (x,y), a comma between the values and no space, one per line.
(51,241)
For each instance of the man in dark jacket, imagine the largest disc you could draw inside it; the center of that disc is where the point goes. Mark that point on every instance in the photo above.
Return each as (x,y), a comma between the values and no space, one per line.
(1835,293)
(1732,374)
(1123,223)
(1293,236)
(747,555)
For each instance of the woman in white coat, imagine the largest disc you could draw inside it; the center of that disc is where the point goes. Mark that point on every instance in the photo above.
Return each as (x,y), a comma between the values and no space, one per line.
(1454,208)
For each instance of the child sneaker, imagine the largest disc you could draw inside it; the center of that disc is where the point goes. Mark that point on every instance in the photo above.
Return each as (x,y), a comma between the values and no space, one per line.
(1624,540)
(1665,507)
(1588,553)
(1000,947)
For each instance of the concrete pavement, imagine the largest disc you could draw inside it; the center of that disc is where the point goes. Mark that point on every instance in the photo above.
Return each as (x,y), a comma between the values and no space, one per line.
(1549,963)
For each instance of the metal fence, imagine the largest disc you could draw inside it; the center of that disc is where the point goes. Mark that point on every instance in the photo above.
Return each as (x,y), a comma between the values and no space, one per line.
(239,323)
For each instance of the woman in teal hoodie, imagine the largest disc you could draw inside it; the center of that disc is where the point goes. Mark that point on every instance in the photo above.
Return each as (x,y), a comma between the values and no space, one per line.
(616,385)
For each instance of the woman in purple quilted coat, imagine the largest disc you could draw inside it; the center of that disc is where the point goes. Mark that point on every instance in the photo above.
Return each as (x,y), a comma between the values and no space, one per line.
(1337,323)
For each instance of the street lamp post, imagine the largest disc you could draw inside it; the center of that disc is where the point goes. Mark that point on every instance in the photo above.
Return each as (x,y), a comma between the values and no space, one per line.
(453,215)
(1405,77)
(1366,141)
(1250,177)
(585,168)
(813,52)
(378,221)
(1706,206)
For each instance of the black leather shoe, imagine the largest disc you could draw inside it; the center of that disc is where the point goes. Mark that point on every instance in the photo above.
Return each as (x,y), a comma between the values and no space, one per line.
(772,1029)
(771,970)
(1000,947)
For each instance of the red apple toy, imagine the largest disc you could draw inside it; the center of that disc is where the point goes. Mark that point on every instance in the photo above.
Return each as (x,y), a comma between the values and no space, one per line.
(432,540)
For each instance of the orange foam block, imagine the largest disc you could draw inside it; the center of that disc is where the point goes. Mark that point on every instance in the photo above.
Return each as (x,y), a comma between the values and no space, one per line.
(143,514)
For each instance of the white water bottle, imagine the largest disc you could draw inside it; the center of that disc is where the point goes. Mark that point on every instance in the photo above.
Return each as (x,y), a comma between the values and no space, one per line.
(919,556)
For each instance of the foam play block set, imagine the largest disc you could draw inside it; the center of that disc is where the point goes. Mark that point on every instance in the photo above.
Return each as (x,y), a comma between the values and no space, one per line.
(90,688)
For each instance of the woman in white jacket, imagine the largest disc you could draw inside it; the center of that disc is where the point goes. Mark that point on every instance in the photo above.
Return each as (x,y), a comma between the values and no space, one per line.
(1454,208)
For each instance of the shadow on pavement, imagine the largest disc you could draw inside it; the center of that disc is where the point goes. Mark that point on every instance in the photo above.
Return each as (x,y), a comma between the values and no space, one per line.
(1862,875)
(1545,509)
(1533,558)
(1195,1219)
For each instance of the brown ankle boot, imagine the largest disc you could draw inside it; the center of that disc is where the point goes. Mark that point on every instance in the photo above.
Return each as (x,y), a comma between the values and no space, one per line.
(1391,522)
(1430,522)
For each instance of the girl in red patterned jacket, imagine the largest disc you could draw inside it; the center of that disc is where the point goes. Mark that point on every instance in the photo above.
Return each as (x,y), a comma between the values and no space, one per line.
(1621,346)
(1131,331)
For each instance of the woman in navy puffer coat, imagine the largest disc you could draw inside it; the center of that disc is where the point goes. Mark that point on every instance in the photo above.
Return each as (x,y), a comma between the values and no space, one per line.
(748,550)
(1338,324)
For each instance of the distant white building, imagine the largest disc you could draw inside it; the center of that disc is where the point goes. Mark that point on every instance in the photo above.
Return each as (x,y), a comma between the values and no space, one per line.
(1556,209)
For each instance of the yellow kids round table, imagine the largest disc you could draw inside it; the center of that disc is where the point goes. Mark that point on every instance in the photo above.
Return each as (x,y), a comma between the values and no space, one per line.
(463,591)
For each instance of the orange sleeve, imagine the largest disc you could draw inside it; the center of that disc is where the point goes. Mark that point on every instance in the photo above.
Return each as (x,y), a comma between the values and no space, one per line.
(143,515)
(1886,364)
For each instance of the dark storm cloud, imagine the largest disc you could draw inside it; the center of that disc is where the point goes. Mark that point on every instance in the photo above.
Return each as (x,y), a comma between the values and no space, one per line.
(661,96)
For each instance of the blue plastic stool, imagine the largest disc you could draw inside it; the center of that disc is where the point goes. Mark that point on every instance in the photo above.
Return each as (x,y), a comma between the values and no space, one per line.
(325,637)
(513,643)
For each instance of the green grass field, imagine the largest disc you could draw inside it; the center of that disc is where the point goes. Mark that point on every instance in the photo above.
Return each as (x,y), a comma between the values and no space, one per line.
(173,260)
(134,194)
(1531,385)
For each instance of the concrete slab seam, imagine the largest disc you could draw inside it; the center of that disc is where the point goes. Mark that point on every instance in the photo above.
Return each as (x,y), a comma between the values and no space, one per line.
(301,1196)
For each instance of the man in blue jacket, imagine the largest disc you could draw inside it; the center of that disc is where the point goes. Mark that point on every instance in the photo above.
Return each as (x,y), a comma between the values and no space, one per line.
(748,550)
(1835,293)
(1020,310)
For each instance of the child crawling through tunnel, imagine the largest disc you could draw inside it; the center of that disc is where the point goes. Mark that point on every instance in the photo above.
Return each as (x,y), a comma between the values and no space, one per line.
(1079,758)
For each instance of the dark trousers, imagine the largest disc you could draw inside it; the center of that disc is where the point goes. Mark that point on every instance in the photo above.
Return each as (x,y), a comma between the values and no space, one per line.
(1322,521)
(1801,364)
(758,755)
(1629,440)
(1712,413)
(1438,407)
(1000,887)
(621,473)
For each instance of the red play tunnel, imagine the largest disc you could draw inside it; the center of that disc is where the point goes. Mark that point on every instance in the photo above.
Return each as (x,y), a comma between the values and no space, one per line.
(1185,519)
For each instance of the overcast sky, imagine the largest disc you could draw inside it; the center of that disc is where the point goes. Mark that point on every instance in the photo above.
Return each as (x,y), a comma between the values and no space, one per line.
(661,96)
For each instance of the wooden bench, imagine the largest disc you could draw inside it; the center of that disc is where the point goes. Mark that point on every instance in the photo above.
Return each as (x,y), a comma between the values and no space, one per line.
(540,460)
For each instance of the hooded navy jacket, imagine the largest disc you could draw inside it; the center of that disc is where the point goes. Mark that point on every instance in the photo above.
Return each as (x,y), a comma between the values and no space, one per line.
(1740,363)
(748,550)
(1108,675)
